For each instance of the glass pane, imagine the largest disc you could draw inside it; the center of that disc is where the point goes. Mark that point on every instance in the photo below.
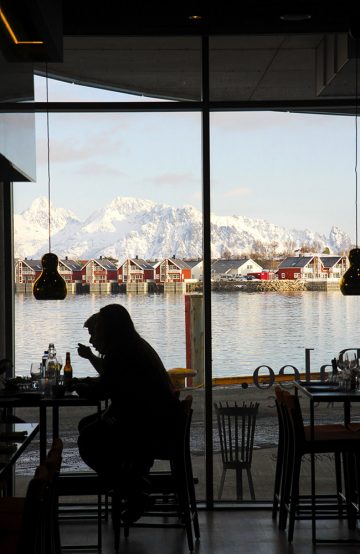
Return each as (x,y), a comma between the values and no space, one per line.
(126,212)
(144,68)
(283,220)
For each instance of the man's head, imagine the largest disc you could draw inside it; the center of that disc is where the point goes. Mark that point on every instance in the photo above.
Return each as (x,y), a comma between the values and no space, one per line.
(90,324)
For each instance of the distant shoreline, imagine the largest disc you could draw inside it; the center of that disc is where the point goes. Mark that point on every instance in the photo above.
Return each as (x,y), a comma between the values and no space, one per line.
(273,285)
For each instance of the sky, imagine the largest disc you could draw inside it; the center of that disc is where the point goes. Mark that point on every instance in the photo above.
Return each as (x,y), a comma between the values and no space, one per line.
(294,170)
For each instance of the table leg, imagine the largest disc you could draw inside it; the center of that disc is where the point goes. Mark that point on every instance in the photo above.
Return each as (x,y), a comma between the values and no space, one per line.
(347,412)
(43,432)
(312,470)
(55,420)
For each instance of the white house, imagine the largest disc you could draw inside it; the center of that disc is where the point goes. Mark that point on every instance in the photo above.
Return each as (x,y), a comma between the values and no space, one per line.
(221,269)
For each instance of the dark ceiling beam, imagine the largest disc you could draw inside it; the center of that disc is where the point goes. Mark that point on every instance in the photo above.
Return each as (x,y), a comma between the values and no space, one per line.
(320,105)
(252,17)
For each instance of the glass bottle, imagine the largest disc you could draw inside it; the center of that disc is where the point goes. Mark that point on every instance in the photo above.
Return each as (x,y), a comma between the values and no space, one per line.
(51,364)
(43,363)
(68,371)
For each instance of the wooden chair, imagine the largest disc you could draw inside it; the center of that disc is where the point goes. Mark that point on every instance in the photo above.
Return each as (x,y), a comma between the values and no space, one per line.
(284,464)
(236,425)
(28,525)
(79,484)
(172,492)
(283,454)
(327,439)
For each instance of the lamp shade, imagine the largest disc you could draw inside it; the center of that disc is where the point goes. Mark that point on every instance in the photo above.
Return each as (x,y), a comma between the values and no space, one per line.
(49,285)
(350,281)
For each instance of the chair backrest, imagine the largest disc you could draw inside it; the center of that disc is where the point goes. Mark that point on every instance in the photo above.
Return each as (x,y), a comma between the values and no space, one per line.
(294,419)
(53,465)
(179,441)
(280,416)
(32,533)
(236,425)
(188,411)
(186,404)
(54,458)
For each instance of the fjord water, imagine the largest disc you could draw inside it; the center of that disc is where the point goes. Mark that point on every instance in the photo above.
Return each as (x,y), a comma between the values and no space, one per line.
(248,329)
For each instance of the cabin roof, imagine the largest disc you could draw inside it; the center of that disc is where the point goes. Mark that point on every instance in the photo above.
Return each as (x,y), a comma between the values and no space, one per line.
(180,263)
(330,261)
(223,266)
(33,264)
(105,263)
(143,264)
(295,261)
(73,265)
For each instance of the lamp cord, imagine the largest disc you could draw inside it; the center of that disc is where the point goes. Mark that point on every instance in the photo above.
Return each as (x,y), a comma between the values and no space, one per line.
(356,140)
(48,154)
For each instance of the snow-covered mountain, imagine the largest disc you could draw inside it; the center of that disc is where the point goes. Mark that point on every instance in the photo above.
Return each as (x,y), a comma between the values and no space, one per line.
(131,226)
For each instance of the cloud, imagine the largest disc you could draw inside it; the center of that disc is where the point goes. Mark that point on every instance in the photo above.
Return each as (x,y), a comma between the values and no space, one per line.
(174,179)
(265,120)
(93,169)
(76,147)
(237,192)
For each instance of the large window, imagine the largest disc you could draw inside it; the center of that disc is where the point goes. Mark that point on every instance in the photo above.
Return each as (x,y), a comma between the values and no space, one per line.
(272,187)
(276,200)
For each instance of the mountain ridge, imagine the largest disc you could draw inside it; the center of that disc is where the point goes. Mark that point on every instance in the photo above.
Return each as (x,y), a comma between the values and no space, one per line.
(129,227)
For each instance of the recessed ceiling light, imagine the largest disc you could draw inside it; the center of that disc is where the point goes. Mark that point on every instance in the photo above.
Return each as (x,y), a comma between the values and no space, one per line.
(10,30)
(295,16)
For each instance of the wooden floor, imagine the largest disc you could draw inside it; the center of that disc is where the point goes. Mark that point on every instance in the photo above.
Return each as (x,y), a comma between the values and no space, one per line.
(222,532)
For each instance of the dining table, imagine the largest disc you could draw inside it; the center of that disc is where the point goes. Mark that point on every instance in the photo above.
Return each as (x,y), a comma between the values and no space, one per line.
(318,392)
(35,399)
(14,439)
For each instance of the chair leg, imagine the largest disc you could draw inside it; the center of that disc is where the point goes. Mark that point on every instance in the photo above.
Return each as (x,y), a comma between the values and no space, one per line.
(276,494)
(350,493)
(277,484)
(116,504)
(99,520)
(192,498)
(239,484)
(338,478)
(222,481)
(184,502)
(294,499)
(251,484)
(285,488)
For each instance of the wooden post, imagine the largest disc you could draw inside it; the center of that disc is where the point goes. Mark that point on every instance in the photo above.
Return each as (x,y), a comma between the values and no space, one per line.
(194,335)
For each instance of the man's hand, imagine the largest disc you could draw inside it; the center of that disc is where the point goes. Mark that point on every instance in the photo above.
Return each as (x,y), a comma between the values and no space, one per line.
(84,351)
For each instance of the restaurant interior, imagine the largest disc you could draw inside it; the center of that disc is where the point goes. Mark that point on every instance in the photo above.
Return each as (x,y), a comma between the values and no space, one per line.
(299,57)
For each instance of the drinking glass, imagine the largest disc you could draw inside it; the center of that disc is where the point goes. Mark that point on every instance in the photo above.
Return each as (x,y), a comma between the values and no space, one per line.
(35,372)
(59,362)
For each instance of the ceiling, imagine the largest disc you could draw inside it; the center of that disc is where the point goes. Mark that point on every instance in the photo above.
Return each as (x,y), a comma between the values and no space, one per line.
(241,68)
(263,52)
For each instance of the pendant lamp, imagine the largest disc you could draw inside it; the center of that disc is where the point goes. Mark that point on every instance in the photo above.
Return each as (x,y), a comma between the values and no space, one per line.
(49,285)
(350,281)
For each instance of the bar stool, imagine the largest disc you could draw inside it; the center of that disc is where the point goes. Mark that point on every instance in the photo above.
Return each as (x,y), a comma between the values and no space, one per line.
(327,439)
(281,485)
(29,525)
(173,491)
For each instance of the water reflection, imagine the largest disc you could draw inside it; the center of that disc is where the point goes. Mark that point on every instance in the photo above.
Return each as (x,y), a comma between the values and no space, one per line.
(249,329)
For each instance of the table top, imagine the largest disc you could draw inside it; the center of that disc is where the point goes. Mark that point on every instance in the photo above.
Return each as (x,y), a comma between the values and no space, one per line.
(321,391)
(14,438)
(34,398)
